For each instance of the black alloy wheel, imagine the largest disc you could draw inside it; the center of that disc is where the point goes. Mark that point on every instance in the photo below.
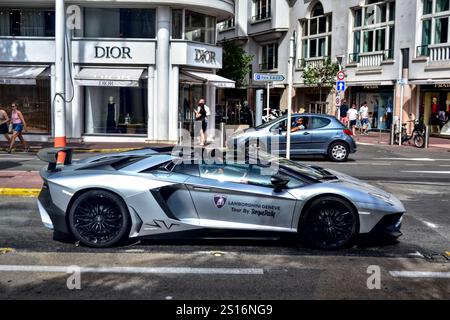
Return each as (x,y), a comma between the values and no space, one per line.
(329,223)
(99,219)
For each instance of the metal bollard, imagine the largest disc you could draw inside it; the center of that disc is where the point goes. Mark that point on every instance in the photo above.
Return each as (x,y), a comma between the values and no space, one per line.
(427,137)
(222,135)
(180,132)
(392,134)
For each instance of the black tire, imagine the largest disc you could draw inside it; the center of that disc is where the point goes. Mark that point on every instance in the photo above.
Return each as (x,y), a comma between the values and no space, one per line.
(99,219)
(419,141)
(329,223)
(338,152)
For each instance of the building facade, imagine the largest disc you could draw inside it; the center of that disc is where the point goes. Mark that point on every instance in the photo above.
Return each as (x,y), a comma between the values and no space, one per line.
(376,42)
(135,69)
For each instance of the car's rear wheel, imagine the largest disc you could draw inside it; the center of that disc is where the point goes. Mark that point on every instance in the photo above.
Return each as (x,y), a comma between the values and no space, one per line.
(99,219)
(329,223)
(338,152)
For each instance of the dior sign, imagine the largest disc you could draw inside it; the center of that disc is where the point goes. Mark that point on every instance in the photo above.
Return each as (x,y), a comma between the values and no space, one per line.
(205,56)
(112,53)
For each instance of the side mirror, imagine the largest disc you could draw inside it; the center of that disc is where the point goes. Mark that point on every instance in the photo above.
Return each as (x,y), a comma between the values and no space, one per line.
(279,182)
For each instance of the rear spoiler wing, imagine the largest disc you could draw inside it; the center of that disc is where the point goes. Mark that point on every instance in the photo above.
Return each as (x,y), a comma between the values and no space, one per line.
(50,155)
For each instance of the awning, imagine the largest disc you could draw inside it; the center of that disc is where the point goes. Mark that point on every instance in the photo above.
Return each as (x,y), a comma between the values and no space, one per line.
(210,78)
(430,81)
(20,75)
(109,77)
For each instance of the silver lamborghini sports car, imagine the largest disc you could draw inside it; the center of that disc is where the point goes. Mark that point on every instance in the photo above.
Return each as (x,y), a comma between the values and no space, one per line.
(106,200)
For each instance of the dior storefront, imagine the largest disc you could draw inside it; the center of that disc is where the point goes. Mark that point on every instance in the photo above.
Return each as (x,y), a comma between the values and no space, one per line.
(135,71)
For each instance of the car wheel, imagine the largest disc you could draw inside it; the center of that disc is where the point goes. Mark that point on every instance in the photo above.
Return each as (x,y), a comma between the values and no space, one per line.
(99,219)
(338,152)
(329,223)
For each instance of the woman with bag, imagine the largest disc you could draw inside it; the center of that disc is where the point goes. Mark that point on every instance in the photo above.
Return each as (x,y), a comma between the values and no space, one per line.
(4,128)
(201,114)
(19,126)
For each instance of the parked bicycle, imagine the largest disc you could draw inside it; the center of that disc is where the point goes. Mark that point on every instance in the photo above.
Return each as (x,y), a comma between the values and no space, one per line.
(273,114)
(418,134)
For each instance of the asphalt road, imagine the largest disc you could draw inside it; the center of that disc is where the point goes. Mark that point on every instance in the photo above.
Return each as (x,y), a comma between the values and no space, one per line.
(244,269)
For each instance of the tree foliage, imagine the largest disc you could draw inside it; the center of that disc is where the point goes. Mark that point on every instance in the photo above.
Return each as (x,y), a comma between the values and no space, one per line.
(236,63)
(321,75)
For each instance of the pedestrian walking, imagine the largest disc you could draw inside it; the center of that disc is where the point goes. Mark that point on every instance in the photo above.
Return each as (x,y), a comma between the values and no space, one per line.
(19,126)
(201,114)
(352,115)
(4,128)
(364,117)
(343,113)
(441,117)
(389,118)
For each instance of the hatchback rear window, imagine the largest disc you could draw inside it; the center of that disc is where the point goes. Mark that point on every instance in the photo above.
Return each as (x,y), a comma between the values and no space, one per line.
(319,122)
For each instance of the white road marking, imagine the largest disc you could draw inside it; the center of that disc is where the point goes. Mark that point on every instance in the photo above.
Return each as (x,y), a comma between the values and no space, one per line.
(430,172)
(380,164)
(134,270)
(431,225)
(411,159)
(420,274)
(18,159)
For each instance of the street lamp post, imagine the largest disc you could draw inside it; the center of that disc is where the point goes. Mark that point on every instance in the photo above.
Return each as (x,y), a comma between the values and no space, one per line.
(59,99)
(290,85)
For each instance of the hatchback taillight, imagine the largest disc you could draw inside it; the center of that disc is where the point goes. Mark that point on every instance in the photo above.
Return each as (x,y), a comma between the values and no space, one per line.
(348,132)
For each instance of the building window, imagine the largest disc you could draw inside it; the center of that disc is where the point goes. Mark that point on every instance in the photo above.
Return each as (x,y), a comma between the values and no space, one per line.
(373,29)
(262,9)
(200,27)
(269,57)
(116,110)
(27,22)
(316,34)
(435,25)
(227,24)
(177,23)
(119,23)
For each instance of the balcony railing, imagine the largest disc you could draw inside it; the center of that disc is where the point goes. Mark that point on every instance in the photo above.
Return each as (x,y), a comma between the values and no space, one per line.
(311,62)
(227,25)
(435,53)
(370,59)
(262,16)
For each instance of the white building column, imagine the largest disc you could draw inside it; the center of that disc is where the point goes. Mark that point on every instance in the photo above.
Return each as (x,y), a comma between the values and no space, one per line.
(151,104)
(211,103)
(162,65)
(173,111)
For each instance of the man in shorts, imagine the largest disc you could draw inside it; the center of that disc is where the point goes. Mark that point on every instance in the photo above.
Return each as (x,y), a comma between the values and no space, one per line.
(364,117)
(352,115)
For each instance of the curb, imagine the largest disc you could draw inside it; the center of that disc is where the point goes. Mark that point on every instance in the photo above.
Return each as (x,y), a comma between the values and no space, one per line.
(19,192)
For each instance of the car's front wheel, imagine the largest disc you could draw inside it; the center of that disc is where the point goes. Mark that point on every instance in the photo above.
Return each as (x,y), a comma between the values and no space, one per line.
(329,223)
(99,219)
(338,152)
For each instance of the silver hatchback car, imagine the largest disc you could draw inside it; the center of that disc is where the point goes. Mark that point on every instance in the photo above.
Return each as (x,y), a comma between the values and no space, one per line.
(312,134)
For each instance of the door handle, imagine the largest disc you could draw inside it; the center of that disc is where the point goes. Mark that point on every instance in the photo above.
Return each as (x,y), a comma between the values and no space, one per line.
(197,188)
(306,133)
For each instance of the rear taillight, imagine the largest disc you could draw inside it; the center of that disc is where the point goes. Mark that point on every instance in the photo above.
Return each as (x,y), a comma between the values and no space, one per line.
(348,132)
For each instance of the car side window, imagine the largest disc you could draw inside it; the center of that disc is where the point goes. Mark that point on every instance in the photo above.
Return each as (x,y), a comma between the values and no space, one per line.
(319,122)
(280,125)
(224,172)
(187,169)
(262,176)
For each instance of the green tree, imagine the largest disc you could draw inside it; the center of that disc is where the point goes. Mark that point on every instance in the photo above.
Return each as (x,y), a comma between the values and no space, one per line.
(236,63)
(321,75)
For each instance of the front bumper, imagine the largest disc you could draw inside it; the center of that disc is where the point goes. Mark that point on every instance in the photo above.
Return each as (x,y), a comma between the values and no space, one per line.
(389,225)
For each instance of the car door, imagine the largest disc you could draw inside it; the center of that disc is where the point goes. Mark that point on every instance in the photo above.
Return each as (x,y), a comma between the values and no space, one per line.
(226,196)
(300,140)
(321,134)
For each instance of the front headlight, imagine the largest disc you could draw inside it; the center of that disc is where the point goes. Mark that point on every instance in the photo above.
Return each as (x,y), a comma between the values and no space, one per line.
(382,197)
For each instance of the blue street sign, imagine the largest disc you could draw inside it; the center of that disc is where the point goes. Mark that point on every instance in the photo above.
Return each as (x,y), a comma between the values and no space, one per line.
(340,85)
(268,77)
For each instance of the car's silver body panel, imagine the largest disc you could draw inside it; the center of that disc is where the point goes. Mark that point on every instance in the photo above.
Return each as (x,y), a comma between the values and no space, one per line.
(168,202)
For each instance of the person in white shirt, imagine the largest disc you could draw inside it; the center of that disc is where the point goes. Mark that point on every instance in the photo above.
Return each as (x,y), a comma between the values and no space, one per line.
(352,115)
(201,114)
(364,117)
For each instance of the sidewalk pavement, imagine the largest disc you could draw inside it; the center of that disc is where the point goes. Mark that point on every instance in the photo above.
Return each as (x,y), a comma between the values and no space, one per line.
(20,183)
(374,138)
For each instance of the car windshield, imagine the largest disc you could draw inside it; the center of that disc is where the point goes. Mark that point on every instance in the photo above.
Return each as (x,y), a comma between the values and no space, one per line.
(309,172)
(268,124)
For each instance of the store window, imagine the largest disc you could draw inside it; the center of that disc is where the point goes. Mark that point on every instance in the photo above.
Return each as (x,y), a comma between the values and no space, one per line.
(177,23)
(27,22)
(269,57)
(119,23)
(374,29)
(116,110)
(435,25)
(316,34)
(262,9)
(227,24)
(34,102)
(200,27)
